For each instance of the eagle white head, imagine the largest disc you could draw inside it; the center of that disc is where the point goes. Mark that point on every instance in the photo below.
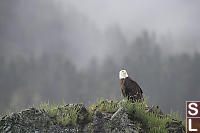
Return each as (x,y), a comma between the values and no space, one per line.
(123,74)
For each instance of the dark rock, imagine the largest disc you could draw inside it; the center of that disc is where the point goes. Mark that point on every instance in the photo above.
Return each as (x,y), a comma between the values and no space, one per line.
(156,110)
(98,122)
(83,115)
(29,121)
(175,127)
(120,122)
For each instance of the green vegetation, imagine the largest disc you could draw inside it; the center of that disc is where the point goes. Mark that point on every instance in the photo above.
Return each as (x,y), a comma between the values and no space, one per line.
(156,123)
(128,105)
(153,122)
(175,115)
(51,109)
(184,123)
(65,114)
(105,106)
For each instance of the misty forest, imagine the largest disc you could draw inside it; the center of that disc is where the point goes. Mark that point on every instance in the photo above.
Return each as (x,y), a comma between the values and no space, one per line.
(50,51)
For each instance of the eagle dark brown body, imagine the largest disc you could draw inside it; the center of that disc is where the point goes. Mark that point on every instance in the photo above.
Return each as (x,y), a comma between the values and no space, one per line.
(130,89)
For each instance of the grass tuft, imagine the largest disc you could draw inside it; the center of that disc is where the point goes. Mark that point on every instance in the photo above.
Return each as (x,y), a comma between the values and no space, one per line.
(107,106)
(65,114)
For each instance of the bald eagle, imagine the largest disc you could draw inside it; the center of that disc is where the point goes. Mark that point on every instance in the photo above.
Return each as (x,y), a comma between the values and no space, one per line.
(130,88)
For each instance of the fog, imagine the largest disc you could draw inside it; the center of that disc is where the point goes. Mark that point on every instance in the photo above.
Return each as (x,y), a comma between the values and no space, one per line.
(73,50)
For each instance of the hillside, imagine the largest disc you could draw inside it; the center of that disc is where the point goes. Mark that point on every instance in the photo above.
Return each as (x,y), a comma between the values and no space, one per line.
(106,116)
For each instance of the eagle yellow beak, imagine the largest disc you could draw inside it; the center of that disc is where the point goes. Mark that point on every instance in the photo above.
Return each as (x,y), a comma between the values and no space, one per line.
(124,72)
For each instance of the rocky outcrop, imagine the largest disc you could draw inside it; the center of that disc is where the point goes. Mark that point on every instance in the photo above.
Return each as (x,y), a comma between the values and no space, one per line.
(81,120)
(28,121)
(38,121)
